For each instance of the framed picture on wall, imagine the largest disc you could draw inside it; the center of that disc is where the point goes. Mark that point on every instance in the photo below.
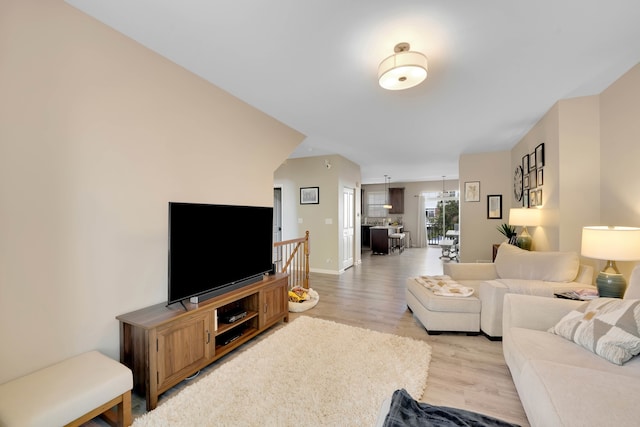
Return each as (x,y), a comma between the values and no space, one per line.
(494,206)
(540,155)
(472,191)
(533,179)
(525,163)
(532,161)
(525,199)
(540,178)
(309,195)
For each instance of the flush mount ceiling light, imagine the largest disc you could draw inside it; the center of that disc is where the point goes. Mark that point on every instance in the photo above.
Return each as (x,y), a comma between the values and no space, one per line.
(403,69)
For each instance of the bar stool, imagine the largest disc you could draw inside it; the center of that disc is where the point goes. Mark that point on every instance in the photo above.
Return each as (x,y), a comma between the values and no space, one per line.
(407,239)
(396,242)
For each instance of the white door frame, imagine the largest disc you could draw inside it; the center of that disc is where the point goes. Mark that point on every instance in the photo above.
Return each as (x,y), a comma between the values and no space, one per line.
(348,227)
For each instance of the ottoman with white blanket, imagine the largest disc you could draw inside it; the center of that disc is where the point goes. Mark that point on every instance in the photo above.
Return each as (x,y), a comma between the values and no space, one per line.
(442,305)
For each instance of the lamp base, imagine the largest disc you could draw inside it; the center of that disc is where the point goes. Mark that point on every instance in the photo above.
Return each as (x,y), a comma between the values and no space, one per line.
(523,241)
(611,285)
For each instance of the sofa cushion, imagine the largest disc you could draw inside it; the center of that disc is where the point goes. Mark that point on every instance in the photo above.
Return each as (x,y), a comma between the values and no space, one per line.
(557,394)
(521,345)
(526,287)
(609,327)
(514,263)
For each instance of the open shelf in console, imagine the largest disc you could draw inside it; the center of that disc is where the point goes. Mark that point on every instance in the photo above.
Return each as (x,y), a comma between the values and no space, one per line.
(237,322)
(224,327)
(234,337)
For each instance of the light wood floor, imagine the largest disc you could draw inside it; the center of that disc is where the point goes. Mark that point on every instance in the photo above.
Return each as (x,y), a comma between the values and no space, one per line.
(466,372)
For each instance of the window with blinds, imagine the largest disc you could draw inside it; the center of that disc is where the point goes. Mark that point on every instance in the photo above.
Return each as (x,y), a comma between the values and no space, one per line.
(375,202)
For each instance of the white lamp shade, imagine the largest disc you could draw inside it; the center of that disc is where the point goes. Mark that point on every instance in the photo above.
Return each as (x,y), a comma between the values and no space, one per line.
(402,70)
(524,217)
(611,243)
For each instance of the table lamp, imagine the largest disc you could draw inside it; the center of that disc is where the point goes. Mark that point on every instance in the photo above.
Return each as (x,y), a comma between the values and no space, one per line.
(611,243)
(524,217)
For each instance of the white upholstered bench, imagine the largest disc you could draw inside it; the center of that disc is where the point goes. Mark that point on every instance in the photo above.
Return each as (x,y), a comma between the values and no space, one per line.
(68,393)
(443,313)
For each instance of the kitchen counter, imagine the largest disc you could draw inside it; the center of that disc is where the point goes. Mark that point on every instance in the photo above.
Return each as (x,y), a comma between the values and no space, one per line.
(391,228)
(380,237)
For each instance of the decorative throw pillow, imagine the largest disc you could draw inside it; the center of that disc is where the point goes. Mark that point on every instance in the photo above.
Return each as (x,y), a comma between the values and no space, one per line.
(609,327)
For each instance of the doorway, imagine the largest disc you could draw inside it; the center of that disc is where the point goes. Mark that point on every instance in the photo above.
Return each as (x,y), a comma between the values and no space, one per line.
(277,220)
(441,214)
(348,227)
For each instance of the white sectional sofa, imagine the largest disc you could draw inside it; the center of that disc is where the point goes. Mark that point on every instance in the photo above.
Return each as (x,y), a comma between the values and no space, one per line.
(518,271)
(561,383)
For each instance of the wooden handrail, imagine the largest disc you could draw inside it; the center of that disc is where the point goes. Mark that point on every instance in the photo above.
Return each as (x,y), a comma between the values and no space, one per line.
(292,256)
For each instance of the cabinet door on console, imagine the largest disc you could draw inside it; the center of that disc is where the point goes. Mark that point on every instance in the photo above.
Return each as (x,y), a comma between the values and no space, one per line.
(184,346)
(274,303)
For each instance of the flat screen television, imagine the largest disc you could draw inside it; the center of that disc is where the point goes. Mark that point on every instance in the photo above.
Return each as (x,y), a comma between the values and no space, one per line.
(214,249)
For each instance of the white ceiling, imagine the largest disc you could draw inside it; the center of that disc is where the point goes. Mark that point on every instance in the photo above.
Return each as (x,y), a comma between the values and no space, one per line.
(495,67)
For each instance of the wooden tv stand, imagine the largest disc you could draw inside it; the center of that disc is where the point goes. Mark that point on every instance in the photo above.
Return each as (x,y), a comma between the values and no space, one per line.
(163,344)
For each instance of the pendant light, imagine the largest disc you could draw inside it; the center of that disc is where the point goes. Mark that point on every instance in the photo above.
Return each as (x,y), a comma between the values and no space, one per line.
(387,181)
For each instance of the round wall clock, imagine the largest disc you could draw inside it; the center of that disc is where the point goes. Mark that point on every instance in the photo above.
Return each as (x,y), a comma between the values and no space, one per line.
(517,183)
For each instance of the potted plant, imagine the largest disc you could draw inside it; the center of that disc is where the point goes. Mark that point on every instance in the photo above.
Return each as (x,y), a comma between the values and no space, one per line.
(509,231)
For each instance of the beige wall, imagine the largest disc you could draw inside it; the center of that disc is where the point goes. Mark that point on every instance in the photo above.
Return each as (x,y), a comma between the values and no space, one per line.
(477,233)
(577,177)
(324,220)
(97,134)
(620,154)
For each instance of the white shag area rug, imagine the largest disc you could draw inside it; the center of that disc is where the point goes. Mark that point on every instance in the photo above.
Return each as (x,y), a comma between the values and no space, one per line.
(312,372)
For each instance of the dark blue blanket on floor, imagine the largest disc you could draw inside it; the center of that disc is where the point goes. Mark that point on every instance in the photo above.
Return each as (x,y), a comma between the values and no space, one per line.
(406,411)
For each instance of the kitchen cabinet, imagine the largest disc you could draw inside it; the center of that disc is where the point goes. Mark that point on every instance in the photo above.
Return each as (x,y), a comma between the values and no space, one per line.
(396,199)
(380,240)
(365,234)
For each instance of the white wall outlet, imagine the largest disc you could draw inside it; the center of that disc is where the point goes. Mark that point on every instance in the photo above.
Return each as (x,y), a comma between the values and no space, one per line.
(328,221)
(299,220)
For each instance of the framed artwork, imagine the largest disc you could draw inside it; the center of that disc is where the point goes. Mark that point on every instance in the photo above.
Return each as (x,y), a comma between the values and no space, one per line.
(540,156)
(540,178)
(309,195)
(525,182)
(533,179)
(494,206)
(532,161)
(472,191)
(539,197)
(525,199)
(525,163)
(532,198)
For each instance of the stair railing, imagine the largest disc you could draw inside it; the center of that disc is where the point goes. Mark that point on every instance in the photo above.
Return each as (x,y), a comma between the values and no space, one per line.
(292,256)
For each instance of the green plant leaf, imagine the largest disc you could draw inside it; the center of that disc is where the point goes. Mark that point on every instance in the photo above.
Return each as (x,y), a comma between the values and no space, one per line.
(507,230)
